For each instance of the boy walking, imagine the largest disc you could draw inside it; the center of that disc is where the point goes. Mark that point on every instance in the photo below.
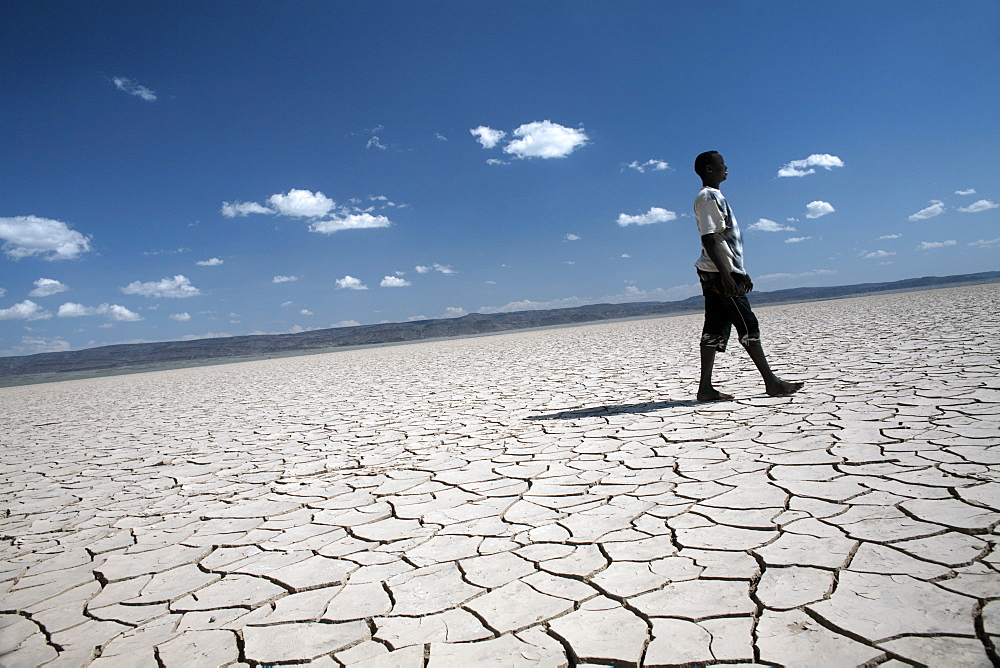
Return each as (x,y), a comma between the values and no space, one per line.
(725,284)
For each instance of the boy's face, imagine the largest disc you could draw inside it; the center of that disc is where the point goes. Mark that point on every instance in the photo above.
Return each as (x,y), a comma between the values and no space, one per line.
(716,169)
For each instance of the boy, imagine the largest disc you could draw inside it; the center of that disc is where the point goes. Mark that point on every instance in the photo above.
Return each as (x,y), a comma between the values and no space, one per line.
(725,284)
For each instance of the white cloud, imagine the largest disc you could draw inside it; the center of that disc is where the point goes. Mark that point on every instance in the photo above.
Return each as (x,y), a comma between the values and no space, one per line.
(26,310)
(354,221)
(486,136)
(45,287)
(414,318)
(496,161)
(876,254)
(981,205)
(375,142)
(970,191)
(818,209)
(935,209)
(626,255)
(306,311)
(132,88)
(986,243)
(765,225)
(393,282)
(927,245)
(805,274)
(890,236)
(806,165)
(176,287)
(211,262)
(301,203)
(346,323)
(25,236)
(572,237)
(440,136)
(284,279)
(181,317)
(112,312)
(795,240)
(3,292)
(350,283)
(454,312)
(545,139)
(654,215)
(441,268)
(233,209)
(654,165)
(31,345)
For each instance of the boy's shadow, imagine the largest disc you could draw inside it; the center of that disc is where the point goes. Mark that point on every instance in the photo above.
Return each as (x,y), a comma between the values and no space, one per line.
(600,411)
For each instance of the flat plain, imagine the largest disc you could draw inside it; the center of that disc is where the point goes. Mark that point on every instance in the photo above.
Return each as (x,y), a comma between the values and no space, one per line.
(542,498)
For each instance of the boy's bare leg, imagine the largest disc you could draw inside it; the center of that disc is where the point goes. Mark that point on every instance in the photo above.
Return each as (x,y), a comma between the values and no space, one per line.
(706,392)
(775,387)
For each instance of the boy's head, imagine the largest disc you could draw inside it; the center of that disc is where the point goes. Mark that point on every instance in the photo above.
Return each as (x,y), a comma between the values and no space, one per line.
(710,166)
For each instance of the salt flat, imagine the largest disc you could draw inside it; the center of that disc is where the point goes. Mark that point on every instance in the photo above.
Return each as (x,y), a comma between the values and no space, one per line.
(543,498)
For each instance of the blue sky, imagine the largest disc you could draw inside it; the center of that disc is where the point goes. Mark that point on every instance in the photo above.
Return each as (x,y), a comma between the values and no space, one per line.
(178,170)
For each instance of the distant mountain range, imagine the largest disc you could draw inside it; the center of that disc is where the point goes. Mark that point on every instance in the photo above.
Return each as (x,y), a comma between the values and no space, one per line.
(140,356)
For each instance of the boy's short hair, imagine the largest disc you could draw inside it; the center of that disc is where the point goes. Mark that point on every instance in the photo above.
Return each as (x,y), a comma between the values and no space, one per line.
(702,161)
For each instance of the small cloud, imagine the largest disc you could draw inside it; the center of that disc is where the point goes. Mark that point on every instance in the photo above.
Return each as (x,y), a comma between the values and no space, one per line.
(180,317)
(970,191)
(986,243)
(112,312)
(440,136)
(233,209)
(393,282)
(486,136)
(927,245)
(211,262)
(354,221)
(625,255)
(25,236)
(177,287)
(654,215)
(440,268)
(765,225)
(981,205)
(287,304)
(26,310)
(375,142)
(45,287)
(455,312)
(818,209)
(805,166)
(496,161)
(890,236)
(284,279)
(306,311)
(653,165)
(346,323)
(350,283)
(571,237)
(795,240)
(935,209)
(129,86)
(301,203)
(414,318)
(876,254)
(3,292)
(545,139)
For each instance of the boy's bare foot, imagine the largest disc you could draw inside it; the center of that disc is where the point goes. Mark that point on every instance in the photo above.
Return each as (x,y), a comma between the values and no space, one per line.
(783,388)
(713,395)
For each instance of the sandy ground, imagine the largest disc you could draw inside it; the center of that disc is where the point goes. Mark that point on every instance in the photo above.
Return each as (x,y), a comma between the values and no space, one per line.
(543,498)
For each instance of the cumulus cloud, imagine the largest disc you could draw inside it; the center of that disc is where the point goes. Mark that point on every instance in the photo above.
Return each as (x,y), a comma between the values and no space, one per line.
(986,243)
(45,287)
(181,317)
(441,268)
(981,205)
(970,191)
(765,225)
(301,203)
(26,310)
(346,323)
(486,136)
(572,237)
(33,344)
(393,282)
(795,240)
(818,209)
(454,312)
(807,165)
(927,245)
(25,236)
(233,209)
(935,209)
(545,139)
(112,312)
(354,221)
(177,287)
(350,283)
(653,165)
(211,262)
(284,279)
(129,86)
(306,311)
(654,215)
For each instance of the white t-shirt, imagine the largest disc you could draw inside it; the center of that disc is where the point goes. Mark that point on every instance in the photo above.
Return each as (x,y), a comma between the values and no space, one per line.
(714,216)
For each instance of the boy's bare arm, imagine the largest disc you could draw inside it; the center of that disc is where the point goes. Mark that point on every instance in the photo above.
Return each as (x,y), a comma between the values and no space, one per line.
(722,263)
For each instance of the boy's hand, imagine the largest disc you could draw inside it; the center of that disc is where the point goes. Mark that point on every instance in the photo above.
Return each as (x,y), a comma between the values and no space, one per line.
(729,287)
(749,284)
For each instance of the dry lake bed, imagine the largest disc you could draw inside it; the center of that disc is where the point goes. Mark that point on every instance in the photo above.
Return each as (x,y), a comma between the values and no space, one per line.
(543,498)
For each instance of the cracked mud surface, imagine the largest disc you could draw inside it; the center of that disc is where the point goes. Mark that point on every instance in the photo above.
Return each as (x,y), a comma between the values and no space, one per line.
(545,498)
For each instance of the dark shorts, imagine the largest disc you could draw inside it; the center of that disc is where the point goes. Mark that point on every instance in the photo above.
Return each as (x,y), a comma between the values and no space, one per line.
(723,313)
